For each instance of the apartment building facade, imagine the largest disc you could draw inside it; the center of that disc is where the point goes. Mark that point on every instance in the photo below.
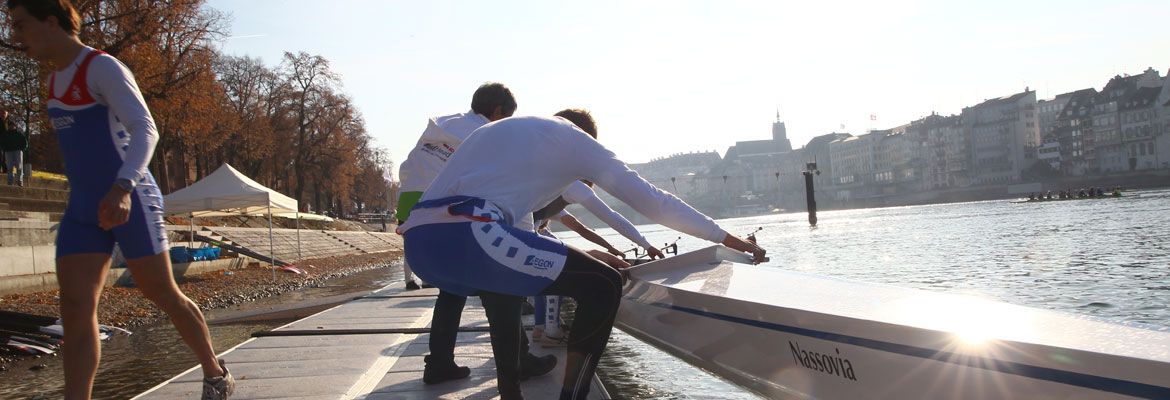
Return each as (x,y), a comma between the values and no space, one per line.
(1004,137)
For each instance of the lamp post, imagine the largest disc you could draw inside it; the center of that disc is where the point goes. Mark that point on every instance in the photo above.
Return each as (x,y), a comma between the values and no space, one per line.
(810,169)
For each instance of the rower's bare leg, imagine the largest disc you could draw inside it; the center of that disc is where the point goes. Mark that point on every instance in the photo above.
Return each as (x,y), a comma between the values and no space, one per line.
(154,276)
(81,277)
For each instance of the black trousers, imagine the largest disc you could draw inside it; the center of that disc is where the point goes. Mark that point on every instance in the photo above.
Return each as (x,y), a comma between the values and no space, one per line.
(594,285)
(597,288)
(446,316)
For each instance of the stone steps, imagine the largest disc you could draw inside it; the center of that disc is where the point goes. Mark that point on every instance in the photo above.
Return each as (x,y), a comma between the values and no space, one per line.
(9,215)
(313,243)
(33,193)
(35,205)
(364,241)
(45,183)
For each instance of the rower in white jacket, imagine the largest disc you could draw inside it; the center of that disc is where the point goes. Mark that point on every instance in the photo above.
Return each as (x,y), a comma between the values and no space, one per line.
(439,141)
(461,236)
(491,102)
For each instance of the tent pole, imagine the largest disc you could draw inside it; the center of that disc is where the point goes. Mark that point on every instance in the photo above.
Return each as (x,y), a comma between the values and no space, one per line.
(300,262)
(271,247)
(191,239)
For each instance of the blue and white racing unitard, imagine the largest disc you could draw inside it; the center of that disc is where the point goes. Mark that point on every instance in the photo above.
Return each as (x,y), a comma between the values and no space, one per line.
(105,132)
(461,235)
(476,247)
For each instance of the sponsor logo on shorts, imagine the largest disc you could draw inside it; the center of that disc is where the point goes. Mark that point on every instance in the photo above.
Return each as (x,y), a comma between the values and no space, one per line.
(64,122)
(538,262)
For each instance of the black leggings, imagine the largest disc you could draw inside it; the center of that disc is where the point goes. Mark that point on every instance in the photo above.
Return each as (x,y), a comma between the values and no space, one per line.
(596,287)
(448,311)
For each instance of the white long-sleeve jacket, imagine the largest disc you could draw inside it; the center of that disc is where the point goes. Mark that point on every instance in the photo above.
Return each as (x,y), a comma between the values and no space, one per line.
(436,145)
(522,163)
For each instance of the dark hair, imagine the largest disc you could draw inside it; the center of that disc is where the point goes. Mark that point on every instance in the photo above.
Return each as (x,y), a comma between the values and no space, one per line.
(491,95)
(581,118)
(66,15)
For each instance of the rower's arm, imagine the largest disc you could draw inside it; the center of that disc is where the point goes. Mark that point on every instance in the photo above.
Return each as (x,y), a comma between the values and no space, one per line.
(659,206)
(585,196)
(745,246)
(115,86)
(588,234)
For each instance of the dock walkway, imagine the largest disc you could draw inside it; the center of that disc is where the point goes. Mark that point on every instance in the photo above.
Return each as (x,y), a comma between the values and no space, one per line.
(368,348)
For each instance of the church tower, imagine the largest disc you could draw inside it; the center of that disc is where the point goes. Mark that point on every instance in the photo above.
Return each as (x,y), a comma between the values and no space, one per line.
(780,135)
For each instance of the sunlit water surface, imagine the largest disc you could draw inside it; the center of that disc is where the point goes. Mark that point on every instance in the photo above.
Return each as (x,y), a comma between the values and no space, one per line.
(1103,257)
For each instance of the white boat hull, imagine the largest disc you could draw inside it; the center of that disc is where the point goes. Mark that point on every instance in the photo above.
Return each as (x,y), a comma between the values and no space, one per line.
(790,335)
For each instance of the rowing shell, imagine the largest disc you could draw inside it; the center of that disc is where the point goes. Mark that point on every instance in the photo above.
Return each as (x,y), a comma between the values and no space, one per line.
(786,334)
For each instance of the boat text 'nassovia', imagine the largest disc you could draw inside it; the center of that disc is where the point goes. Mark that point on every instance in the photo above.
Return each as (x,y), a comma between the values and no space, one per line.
(827,363)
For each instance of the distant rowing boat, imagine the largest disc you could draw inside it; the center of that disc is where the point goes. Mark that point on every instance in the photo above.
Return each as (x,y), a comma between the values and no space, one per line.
(1124,196)
(787,334)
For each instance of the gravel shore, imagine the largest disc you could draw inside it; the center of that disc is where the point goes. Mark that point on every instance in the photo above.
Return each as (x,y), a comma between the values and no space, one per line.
(126,308)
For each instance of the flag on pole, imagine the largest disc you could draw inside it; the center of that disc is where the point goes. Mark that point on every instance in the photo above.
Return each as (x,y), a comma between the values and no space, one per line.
(872,117)
(842,126)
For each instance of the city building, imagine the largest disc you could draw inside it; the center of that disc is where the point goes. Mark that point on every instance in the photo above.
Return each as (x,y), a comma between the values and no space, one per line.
(1113,151)
(851,160)
(949,149)
(1162,137)
(984,152)
(1049,151)
(1138,115)
(1004,137)
(1078,133)
(676,173)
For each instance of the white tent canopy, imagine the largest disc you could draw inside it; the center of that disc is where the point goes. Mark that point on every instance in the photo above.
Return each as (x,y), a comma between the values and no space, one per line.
(227,192)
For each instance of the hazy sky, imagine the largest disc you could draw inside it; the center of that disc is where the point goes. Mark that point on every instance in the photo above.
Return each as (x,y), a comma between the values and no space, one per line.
(663,77)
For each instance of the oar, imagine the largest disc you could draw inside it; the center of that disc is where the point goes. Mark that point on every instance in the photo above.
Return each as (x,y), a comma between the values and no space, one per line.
(668,248)
(751,237)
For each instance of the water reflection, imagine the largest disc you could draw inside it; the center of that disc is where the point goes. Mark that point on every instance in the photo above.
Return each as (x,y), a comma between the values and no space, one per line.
(1106,258)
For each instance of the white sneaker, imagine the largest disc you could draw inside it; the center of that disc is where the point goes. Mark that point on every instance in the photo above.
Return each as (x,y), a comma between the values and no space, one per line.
(220,387)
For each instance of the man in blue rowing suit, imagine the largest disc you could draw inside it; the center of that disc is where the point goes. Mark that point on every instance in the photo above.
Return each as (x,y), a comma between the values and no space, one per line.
(107,137)
(491,102)
(461,238)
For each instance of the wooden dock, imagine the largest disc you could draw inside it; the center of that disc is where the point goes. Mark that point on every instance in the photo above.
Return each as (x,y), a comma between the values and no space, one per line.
(369,348)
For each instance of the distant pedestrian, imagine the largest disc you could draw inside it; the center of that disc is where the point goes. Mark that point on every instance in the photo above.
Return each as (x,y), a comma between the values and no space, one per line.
(107,137)
(14,143)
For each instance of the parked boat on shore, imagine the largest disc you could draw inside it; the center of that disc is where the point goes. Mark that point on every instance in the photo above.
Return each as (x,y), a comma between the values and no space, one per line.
(791,335)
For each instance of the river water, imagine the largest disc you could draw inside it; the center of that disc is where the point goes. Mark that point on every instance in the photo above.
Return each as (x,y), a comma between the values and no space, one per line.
(1104,257)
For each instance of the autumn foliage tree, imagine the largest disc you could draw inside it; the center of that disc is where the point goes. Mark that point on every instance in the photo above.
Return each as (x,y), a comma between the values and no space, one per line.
(291,127)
